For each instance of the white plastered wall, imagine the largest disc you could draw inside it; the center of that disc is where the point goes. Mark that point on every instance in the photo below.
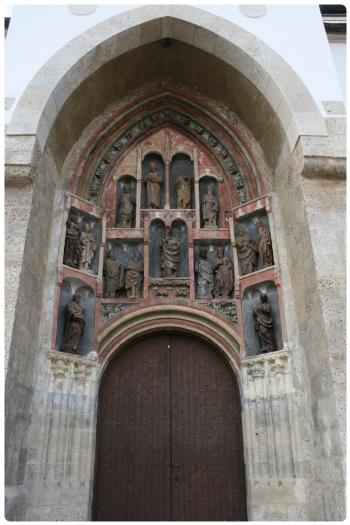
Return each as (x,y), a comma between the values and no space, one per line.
(295,32)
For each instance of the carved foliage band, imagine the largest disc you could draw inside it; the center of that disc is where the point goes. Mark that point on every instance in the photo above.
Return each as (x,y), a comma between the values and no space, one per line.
(150,121)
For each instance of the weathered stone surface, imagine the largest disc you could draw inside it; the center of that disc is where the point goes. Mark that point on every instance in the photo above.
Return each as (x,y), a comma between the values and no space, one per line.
(293,402)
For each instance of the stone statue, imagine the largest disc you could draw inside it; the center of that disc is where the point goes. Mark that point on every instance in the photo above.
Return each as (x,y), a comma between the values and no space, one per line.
(72,247)
(170,255)
(153,183)
(247,250)
(183,192)
(113,273)
(133,276)
(264,325)
(126,210)
(205,276)
(223,279)
(264,244)
(88,247)
(210,208)
(75,325)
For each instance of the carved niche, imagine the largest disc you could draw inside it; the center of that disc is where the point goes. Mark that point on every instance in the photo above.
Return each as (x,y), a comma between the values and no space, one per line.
(261,319)
(123,270)
(253,243)
(82,241)
(75,321)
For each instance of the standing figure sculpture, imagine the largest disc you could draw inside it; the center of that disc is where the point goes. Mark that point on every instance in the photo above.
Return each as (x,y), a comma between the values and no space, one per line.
(126,210)
(133,276)
(153,181)
(170,255)
(264,325)
(87,247)
(72,247)
(205,276)
(113,273)
(223,280)
(247,250)
(264,244)
(210,208)
(183,192)
(75,325)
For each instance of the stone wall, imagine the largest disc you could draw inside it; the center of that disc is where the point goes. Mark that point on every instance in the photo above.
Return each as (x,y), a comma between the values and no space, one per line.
(293,403)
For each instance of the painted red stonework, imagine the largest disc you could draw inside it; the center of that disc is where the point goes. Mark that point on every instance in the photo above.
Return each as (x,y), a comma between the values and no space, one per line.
(167,141)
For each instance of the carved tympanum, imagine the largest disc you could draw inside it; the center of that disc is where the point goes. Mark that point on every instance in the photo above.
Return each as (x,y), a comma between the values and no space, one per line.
(75,325)
(247,250)
(72,247)
(210,208)
(183,192)
(264,325)
(170,255)
(153,181)
(223,278)
(264,244)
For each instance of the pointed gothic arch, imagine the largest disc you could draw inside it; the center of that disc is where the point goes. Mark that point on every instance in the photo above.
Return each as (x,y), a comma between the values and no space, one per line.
(74,93)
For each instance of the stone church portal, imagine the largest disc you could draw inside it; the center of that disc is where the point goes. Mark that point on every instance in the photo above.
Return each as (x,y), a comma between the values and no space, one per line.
(173,361)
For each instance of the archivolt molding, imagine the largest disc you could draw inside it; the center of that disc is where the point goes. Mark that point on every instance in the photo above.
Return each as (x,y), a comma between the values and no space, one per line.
(114,139)
(75,62)
(117,333)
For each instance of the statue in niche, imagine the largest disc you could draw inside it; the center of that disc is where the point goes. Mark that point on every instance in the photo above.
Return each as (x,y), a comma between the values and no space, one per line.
(205,275)
(113,273)
(210,208)
(264,325)
(183,192)
(75,325)
(247,250)
(133,276)
(170,255)
(153,181)
(223,278)
(72,247)
(126,210)
(88,247)
(264,244)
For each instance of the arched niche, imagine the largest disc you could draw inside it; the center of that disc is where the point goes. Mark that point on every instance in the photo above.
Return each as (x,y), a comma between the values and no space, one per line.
(123,251)
(205,183)
(179,231)
(251,297)
(70,287)
(151,195)
(248,225)
(156,234)
(206,259)
(126,202)
(181,182)
(94,233)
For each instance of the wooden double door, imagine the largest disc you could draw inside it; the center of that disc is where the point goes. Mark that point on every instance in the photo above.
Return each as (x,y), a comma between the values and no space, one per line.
(169,444)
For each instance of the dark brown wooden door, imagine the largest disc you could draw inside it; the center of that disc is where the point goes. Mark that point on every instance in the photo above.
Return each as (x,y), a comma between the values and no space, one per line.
(169,441)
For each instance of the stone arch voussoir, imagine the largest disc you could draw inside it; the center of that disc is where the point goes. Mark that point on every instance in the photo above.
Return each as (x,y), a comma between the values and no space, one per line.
(118,333)
(50,88)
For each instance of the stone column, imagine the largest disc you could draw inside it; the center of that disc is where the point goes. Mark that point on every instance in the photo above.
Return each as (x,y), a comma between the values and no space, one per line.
(276,435)
(196,187)
(138,188)
(62,482)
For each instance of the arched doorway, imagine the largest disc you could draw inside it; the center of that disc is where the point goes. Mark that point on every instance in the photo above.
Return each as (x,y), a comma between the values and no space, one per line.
(169,443)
